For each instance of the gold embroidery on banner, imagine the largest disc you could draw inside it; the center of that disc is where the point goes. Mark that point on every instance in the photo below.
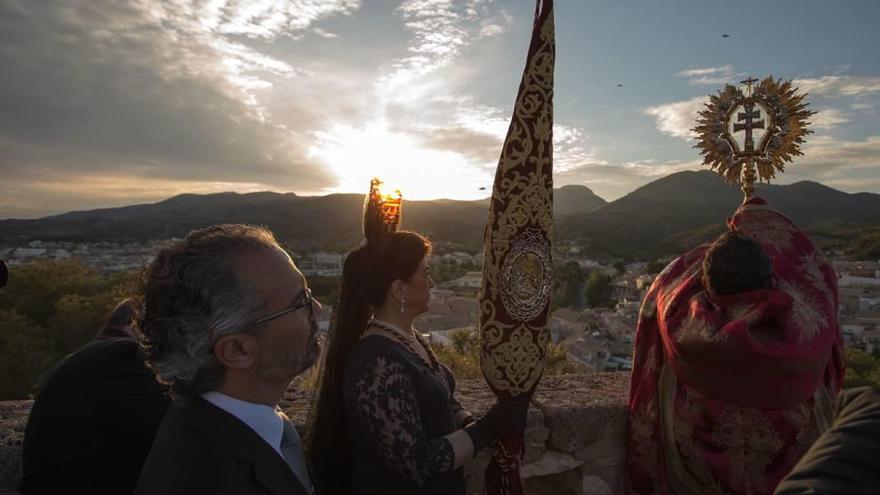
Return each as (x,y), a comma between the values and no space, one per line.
(524,283)
(737,311)
(648,361)
(675,431)
(668,288)
(687,413)
(768,227)
(526,276)
(804,422)
(642,432)
(694,329)
(806,312)
(824,408)
(750,443)
(811,267)
(513,363)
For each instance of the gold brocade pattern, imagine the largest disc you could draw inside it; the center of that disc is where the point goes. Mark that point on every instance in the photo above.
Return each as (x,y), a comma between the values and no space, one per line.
(643,423)
(811,267)
(689,476)
(649,361)
(694,329)
(803,421)
(768,228)
(806,314)
(514,362)
(738,311)
(749,442)
(526,276)
(517,266)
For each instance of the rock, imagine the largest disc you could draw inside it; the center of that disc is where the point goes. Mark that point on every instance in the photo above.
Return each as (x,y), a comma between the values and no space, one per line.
(594,485)
(581,409)
(536,436)
(574,435)
(551,462)
(567,483)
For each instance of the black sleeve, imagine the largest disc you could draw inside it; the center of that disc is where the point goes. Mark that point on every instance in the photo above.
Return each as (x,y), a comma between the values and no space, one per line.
(380,397)
(130,401)
(845,459)
(454,404)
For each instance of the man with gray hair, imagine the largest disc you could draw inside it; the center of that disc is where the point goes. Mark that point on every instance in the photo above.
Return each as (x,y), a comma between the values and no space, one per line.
(228,321)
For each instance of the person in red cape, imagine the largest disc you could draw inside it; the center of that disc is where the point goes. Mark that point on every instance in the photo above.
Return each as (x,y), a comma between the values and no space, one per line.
(735,370)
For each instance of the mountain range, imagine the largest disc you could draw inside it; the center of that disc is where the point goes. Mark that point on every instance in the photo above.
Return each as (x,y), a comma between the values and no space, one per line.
(662,217)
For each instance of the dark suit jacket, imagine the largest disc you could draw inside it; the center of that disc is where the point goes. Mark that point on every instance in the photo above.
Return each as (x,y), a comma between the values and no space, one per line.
(93,422)
(201,448)
(845,460)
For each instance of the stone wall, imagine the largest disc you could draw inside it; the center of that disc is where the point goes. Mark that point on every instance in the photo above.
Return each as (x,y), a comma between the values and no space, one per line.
(574,439)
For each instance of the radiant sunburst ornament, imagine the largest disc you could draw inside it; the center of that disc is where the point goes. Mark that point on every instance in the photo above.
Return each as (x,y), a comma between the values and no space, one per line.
(750,136)
(382,210)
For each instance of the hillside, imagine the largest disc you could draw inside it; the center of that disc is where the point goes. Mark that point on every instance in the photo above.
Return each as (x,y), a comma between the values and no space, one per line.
(662,217)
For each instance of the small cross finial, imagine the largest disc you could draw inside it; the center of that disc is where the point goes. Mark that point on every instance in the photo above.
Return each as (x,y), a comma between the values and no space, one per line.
(748,82)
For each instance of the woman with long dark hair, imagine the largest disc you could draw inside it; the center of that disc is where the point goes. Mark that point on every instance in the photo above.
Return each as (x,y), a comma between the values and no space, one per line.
(384,420)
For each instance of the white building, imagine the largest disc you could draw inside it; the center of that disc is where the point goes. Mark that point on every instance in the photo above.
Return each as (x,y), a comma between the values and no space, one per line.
(322,265)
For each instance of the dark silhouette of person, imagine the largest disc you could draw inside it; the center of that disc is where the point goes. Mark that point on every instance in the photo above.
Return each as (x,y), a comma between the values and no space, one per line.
(845,460)
(94,420)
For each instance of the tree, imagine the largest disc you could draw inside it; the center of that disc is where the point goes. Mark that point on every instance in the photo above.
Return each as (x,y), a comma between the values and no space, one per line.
(866,247)
(326,289)
(23,355)
(599,290)
(568,285)
(48,310)
(655,267)
(863,369)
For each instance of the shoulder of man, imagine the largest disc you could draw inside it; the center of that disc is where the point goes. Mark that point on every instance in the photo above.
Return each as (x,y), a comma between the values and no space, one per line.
(181,459)
(83,369)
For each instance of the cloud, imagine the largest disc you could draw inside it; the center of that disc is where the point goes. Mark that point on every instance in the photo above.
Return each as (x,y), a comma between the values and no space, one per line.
(836,86)
(613,180)
(267,19)
(711,75)
(678,118)
(440,30)
(828,119)
(143,89)
(325,34)
(848,164)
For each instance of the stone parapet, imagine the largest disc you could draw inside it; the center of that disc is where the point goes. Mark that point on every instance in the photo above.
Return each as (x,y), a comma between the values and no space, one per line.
(574,436)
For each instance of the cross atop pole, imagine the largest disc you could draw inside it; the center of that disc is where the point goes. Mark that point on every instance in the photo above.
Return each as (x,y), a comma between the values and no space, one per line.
(748,82)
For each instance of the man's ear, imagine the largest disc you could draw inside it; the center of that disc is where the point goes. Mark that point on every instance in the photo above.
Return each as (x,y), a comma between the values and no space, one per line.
(236,351)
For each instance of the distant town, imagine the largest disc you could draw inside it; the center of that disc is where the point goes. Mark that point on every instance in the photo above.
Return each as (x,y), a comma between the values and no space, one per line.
(595,338)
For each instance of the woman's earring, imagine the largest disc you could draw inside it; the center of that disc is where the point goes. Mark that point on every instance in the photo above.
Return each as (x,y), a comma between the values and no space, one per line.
(402,309)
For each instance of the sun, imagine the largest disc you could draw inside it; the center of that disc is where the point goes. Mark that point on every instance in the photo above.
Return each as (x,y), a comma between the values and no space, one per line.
(355,155)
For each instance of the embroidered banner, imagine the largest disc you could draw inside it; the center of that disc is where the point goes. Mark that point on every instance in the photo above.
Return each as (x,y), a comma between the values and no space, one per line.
(517,251)
(728,392)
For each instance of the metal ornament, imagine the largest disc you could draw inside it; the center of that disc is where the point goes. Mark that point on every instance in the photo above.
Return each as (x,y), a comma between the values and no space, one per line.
(749,136)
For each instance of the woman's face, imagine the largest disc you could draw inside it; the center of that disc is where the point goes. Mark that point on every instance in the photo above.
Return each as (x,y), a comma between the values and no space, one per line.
(417,290)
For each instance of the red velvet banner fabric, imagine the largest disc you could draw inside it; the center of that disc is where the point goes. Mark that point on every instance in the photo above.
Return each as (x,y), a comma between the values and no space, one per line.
(728,392)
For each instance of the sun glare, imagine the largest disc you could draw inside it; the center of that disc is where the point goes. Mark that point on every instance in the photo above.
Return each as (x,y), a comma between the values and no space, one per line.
(355,155)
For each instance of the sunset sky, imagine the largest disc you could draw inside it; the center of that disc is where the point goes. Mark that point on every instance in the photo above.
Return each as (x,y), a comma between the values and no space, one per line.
(108,103)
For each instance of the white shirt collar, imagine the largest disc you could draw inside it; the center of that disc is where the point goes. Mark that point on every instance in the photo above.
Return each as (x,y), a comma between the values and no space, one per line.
(264,420)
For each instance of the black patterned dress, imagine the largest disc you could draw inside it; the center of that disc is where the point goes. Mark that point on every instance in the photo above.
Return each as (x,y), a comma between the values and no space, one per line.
(398,410)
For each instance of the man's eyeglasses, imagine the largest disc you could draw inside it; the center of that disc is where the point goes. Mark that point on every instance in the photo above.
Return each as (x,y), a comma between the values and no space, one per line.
(307,301)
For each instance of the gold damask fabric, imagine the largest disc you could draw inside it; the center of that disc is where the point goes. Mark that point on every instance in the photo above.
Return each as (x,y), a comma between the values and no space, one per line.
(727,392)
(517,251)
